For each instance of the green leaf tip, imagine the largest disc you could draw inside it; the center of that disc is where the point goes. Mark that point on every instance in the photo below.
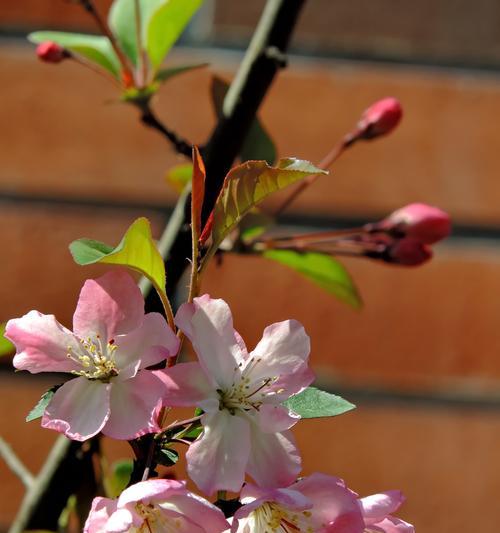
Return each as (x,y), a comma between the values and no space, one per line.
(315,403)
(43,402)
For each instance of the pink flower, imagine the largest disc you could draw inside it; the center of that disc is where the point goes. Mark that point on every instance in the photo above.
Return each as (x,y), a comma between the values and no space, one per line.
(318,503)
(422,222)
(408,252)
(380,118)
(155,506)
(113,342)
(377,510)
(51,52)
(245,425)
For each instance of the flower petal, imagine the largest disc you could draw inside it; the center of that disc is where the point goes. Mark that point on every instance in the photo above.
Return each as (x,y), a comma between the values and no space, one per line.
(121,521)
(275,460)
(208,324)
(218,459)
(333,503)
(395,525)
(187,384)
(42,343)
(152,342)
(133,404)
(378,506)
(108,306)
(284,351)
(273,418)
(101,510)
(79,409)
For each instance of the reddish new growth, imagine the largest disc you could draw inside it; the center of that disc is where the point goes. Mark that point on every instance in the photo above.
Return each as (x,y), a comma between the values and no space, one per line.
(50,52)
(379,119)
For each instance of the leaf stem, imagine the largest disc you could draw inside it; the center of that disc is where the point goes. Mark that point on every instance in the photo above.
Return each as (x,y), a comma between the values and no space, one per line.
(15,464)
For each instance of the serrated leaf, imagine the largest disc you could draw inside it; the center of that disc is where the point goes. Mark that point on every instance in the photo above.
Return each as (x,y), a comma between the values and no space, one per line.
(165,74)
(246,185)
(95,48)
(40,407)
(321,269)
(122,21)
(119,477)
(179,176)
(137,250)
(6,347)
(258,144)
(315,403)
(167,457)
(166,25)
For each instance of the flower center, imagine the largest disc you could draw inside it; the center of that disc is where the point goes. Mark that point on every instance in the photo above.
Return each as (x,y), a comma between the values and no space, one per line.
(96,358)
(246,393)
(154,521)
(273,517)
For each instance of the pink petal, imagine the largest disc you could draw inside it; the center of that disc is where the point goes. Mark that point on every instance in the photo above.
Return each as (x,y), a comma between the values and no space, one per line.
(101,510)
(151,491)
(378,506)
(333,503)
(42,343)
(208,324)
(152,342)
(284,350)
(108,306)
(395,525)
(274,418)
(133,404)
(274,458)
(187,384)
(79,409)
(217,460)
(122,521)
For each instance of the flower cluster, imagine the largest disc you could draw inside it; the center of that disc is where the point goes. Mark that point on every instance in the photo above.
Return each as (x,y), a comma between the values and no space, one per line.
(245,426)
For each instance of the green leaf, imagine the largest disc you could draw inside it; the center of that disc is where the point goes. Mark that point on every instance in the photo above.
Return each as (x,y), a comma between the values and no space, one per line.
(6,347)
(315,403)
(254,224)
(165,74)
(179,176)
(95,48)
(137,250)
(193,433)
(167,457)
(166,25)
(119,478)
(258,145)
(246,185)
(40,407)
(321,269)
(122,21)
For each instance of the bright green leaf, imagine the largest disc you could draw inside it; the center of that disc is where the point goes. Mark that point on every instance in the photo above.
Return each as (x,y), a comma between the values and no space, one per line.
(254,224)
(137,250)
(166,25)
(6,347)
(167,457)
(323,270)
(179,176)
(122,21)
(40,407)
(193,433)
(119,477)
(95,48)
(315,403)
(246,185)
(165,74)
(258,144)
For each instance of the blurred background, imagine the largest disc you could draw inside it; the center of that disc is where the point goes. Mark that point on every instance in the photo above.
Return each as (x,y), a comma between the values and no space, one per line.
(422,358)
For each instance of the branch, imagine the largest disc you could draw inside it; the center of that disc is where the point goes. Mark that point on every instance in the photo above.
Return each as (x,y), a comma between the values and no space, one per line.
(15,464)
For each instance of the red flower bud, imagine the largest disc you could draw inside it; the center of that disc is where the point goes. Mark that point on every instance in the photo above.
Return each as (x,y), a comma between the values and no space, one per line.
(422,222)
(51,52)
(379,119)
(408,252)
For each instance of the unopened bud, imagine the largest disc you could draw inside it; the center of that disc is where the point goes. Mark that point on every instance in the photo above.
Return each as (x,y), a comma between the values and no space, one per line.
(379,119)
(51,52)
(422,222)
(408,252)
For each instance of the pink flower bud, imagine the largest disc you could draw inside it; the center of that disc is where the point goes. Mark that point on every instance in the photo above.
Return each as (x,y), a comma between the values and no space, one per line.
(408,252)
(379,119)
(51,52)
(422,222)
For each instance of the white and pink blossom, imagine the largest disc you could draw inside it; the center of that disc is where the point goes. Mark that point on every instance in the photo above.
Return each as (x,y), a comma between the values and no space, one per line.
(112,344)
(377,510)
(245,427)
(155,506)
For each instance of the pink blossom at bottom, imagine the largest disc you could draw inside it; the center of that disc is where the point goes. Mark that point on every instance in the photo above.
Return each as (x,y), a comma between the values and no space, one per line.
(377,510)
(155,506)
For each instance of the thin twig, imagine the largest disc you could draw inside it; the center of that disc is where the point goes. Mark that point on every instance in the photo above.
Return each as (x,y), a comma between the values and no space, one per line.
(15,464)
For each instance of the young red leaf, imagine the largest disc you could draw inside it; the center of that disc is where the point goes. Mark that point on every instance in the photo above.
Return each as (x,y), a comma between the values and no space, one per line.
(198,192)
